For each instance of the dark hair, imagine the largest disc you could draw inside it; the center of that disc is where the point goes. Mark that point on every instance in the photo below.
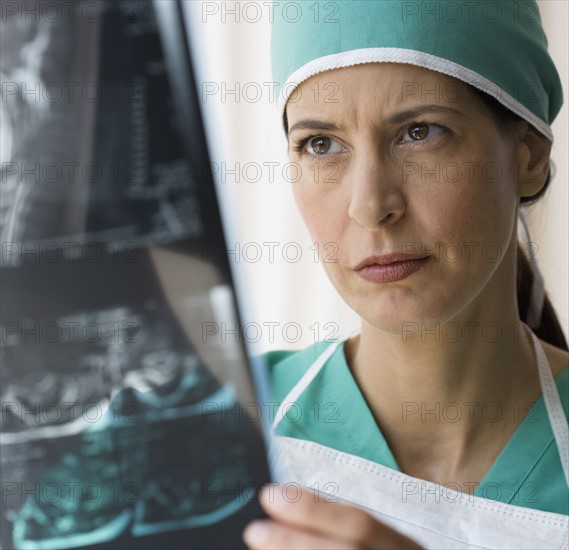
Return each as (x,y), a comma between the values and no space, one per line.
(549,328)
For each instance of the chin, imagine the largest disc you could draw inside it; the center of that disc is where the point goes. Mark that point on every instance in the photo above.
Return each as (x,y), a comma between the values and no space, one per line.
(400,315)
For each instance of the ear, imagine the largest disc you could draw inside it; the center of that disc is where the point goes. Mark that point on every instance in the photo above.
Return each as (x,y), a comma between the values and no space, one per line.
(533,152)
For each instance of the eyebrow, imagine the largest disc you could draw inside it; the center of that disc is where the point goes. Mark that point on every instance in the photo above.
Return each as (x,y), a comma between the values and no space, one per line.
(313,125)
(397,118)
(413,113)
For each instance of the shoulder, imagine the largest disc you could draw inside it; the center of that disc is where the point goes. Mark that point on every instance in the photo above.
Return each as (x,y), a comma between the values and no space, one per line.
(558,358)
(559,363)
(286,367)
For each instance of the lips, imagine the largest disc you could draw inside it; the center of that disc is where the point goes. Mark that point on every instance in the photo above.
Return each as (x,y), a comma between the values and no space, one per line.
(387,259)
(390,267)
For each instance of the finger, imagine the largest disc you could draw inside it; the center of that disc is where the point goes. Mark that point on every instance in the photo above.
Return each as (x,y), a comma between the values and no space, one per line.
(298,506)
(269,535)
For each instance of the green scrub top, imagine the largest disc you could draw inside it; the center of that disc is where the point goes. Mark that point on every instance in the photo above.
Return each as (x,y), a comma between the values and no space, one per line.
(332,411)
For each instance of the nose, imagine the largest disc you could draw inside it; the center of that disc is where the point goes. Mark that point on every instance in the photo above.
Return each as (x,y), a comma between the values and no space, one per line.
(376,196)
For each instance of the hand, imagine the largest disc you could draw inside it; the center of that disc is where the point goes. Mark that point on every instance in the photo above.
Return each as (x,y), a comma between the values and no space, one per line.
(304,519)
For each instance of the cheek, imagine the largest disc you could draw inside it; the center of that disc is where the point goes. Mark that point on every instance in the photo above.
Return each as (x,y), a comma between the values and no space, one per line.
(474,199)
(469,226)
(323,218)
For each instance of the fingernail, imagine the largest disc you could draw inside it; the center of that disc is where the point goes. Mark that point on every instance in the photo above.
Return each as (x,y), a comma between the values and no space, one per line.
(257,532)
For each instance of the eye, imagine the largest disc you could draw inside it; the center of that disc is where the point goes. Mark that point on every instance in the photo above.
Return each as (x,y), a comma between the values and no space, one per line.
(319,146)
(420,131)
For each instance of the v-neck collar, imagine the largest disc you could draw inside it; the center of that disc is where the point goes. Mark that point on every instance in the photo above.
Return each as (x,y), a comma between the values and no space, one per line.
(356,418)
(515,462)
(333,411)
(526,446)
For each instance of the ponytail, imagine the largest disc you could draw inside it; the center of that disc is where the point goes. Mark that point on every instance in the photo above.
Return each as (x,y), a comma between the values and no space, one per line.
(549,328)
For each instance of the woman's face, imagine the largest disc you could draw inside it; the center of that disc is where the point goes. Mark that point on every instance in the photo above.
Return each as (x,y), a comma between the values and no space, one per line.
(396,158)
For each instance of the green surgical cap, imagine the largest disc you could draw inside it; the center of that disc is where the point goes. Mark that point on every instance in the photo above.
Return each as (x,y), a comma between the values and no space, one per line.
(498,47)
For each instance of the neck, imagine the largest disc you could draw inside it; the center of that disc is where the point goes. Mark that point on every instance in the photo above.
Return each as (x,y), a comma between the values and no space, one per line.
(436,396)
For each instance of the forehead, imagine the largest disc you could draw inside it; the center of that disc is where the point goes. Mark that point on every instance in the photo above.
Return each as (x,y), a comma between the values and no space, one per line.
(378,89)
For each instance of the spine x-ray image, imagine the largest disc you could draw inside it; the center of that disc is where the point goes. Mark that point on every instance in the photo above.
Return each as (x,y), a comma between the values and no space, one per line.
(123,421)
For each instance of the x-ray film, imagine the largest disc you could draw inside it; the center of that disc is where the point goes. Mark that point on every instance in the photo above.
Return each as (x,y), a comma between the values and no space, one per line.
(125,409)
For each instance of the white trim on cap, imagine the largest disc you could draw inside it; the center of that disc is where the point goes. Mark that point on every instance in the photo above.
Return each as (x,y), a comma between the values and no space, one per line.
(412,57)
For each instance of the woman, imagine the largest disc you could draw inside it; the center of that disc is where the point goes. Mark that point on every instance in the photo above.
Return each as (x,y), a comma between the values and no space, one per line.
(420,129)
